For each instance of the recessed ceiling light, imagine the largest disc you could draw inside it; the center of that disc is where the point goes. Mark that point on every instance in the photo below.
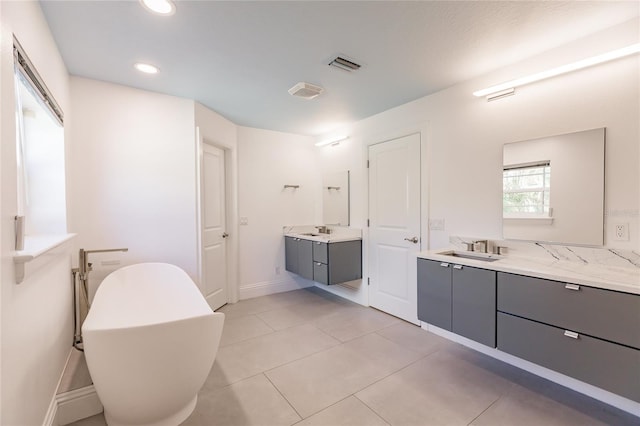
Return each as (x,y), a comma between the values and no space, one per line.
(146,68)
(161,7)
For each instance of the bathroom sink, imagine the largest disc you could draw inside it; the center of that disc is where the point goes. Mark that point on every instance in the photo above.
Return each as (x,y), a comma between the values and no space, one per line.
(311,234)
(483,257)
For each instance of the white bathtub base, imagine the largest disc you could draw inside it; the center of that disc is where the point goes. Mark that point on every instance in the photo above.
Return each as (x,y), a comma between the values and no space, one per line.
(150,340)
(174,419)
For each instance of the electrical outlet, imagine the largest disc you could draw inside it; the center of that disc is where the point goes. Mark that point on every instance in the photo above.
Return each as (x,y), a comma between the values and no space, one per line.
(621,232)
(244,220)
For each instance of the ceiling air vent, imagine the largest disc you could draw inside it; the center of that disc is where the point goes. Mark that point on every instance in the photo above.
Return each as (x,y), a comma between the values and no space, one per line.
(344,64)
(305,90)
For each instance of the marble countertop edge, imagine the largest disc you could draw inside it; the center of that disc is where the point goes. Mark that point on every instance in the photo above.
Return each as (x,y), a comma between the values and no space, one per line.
(625,280)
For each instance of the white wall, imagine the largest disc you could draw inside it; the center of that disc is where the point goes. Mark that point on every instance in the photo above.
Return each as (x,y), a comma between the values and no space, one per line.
(267,161)
(464,138)
(36,315)
(132,175)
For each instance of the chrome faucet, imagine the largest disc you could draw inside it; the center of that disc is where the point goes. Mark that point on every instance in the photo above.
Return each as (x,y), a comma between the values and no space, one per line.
(323,229)
(81,291)
(483,248)
(84,267)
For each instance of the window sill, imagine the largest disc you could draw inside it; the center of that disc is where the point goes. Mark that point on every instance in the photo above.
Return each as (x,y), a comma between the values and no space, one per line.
(528,220)
(37,247)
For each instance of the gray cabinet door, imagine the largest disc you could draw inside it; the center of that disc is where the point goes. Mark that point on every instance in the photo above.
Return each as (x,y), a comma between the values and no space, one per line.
(606,314)
(291,254)
(320,273)
(434,293)
(305,259)
(474,304)
(345,261)
(607,365)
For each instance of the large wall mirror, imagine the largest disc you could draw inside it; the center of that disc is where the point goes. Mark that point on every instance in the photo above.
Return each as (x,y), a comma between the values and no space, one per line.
(335,198)
(553,189)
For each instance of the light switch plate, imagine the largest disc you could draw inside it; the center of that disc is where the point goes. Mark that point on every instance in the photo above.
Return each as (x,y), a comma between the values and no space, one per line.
(436,224)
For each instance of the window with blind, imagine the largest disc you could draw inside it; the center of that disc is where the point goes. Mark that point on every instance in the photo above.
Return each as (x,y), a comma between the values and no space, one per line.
(40,152)
(526,191)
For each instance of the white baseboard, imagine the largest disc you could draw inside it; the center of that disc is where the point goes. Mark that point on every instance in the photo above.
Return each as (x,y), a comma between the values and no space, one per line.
(76,405)
(52,412)
(607,397)
(265,288)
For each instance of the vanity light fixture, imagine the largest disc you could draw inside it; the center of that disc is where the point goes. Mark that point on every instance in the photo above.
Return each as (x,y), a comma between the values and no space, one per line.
(146,68)
(160,7)
(507,88)
(333,141)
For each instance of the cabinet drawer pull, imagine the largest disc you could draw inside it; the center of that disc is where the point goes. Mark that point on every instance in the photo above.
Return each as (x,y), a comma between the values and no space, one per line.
(444,264)
(318,243)
(571,334)
(318,263)
(574,287)
(457,266)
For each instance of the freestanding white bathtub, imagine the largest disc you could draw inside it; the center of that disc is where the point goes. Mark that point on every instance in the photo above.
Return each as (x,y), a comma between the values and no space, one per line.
(150,340)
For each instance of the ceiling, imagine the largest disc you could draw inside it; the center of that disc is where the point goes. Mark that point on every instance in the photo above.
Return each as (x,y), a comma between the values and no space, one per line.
(239,58)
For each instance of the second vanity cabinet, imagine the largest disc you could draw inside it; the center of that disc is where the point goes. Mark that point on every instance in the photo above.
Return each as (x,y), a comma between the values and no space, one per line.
(339,262)
(458,298)
(326,263)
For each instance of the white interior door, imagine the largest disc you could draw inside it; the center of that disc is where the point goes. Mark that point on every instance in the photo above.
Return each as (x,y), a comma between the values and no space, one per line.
(213,223)
(394,226)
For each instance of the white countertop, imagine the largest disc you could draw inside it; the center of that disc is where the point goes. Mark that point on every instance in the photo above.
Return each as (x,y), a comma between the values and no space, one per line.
(337,234)
(324,238)
(593,275)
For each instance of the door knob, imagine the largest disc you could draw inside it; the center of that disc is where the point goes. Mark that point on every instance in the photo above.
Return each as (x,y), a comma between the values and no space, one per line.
(225,235)
(413,240)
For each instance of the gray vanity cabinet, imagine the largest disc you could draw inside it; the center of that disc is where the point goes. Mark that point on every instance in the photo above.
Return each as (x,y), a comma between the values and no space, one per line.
(337,262)
(588,333)
(474,304)
(597,312)
(434,293)
(458,298)
(606,365)
(299,257)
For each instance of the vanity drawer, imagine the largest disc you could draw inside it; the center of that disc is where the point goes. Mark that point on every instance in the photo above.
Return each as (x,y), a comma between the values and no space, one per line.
(606,314)
(607,365)
(320,273)
(320,252)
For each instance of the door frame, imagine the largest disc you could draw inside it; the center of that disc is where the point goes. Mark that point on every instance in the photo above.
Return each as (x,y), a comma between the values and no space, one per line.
(422,130)
(231,209)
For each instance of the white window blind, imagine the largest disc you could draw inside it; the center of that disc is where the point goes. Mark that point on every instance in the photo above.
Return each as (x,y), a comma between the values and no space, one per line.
(40,152)
(526,190)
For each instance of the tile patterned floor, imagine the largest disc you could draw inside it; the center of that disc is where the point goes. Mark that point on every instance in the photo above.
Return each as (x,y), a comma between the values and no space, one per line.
(307,357)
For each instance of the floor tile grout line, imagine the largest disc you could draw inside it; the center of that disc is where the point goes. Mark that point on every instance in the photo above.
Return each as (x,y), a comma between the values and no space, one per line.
(484,411)
(249,338)
(372,409)
(422,357)
(285,398)
(411,350)
(264,322)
